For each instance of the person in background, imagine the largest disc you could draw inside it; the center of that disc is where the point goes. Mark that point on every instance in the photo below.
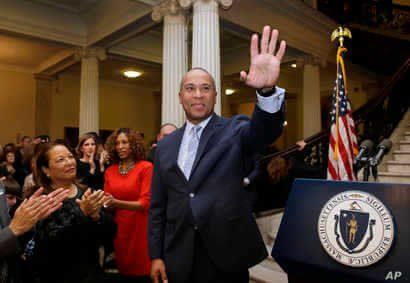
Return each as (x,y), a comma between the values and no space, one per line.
(165,130)
(26,152)
(13,192)
(90,171)
(128,182)
(13,167)
(10,161)
(41,139)
(29,180)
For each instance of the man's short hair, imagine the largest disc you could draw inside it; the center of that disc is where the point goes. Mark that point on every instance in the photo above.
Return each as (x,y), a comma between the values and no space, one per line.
(25,137)
(12,187)
(167,124)
(181,85)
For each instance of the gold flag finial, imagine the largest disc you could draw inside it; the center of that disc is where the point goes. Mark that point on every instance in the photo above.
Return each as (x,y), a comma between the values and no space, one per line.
(340,33)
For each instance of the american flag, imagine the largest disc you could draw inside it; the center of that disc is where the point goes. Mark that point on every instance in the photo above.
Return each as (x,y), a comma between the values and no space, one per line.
(343,140)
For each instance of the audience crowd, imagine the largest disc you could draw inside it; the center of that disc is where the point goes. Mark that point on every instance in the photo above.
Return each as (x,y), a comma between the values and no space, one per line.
(81,214)
(75,214)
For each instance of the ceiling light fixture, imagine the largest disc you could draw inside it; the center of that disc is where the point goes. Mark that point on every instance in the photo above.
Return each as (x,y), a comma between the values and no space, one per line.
(131,74)
(229,91)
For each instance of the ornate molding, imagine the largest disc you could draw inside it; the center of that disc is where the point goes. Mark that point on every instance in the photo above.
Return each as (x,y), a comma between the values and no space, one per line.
(41,77)
(97,52)
(188,3)
(176,7)
(168,7)
(50,32)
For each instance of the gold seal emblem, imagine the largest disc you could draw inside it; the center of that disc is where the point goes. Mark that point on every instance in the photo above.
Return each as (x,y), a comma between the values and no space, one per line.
(355,228)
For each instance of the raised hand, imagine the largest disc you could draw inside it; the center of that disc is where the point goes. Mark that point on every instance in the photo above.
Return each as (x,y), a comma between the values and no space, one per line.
(92,163)
(265,64)
(103,159)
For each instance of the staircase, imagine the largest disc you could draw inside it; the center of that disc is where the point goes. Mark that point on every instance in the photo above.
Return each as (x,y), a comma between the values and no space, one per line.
(268,271)
(395,167)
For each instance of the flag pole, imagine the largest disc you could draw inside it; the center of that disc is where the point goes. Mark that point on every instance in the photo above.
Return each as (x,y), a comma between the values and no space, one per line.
(342,135)
(340,33)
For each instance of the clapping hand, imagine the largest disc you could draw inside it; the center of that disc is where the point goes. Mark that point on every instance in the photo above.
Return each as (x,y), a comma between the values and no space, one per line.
(36,208)
(91,203)
(265,65)
(109,201)
(103,159)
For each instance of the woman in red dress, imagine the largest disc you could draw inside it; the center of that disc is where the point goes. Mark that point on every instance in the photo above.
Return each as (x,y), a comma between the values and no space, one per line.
(128,181)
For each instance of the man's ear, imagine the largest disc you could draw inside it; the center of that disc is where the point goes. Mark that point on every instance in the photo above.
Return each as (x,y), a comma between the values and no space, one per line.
(180,97)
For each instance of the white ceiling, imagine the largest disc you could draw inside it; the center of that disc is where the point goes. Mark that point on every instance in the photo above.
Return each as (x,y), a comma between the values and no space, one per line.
(29,53)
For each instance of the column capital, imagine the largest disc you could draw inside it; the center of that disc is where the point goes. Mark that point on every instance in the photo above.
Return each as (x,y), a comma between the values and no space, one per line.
(90,52)
(168,7)
(188,3)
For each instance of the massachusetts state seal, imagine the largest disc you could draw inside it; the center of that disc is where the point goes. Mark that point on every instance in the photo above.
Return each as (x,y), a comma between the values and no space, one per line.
(355,228)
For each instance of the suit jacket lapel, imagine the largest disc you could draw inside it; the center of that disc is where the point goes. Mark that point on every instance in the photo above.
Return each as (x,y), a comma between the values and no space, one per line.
(176,144)
(207,134)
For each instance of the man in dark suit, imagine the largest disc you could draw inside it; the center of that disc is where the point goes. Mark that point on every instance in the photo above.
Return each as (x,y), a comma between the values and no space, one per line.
(201,228)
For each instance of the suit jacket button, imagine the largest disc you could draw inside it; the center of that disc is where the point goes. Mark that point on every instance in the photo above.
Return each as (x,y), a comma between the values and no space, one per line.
(191,195)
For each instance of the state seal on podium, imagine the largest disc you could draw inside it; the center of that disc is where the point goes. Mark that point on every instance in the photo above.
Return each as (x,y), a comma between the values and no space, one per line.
(355,228)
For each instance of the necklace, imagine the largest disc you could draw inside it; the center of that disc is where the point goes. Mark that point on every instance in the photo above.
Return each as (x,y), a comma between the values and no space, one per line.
(124,171)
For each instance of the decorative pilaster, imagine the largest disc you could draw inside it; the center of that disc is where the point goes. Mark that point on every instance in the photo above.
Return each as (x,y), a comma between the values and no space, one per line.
(312,123)
(43,103)
(174,59)
(89,92)
(205,39)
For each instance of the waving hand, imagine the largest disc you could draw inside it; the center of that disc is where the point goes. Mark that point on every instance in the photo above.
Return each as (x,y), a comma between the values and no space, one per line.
(265,63)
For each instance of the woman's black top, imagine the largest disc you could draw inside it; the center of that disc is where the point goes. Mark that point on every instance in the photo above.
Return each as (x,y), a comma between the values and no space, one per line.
(94,181)
(66,245)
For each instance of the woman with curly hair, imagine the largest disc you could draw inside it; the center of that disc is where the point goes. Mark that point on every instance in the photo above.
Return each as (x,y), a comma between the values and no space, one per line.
(128,182)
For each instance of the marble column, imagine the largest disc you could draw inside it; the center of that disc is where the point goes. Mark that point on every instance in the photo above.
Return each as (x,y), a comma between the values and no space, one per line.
(89,91)
(205,39)
(43,103)
(312,123)
(174,58)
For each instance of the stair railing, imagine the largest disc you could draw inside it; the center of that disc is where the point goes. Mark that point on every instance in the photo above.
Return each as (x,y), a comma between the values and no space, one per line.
(375,120)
